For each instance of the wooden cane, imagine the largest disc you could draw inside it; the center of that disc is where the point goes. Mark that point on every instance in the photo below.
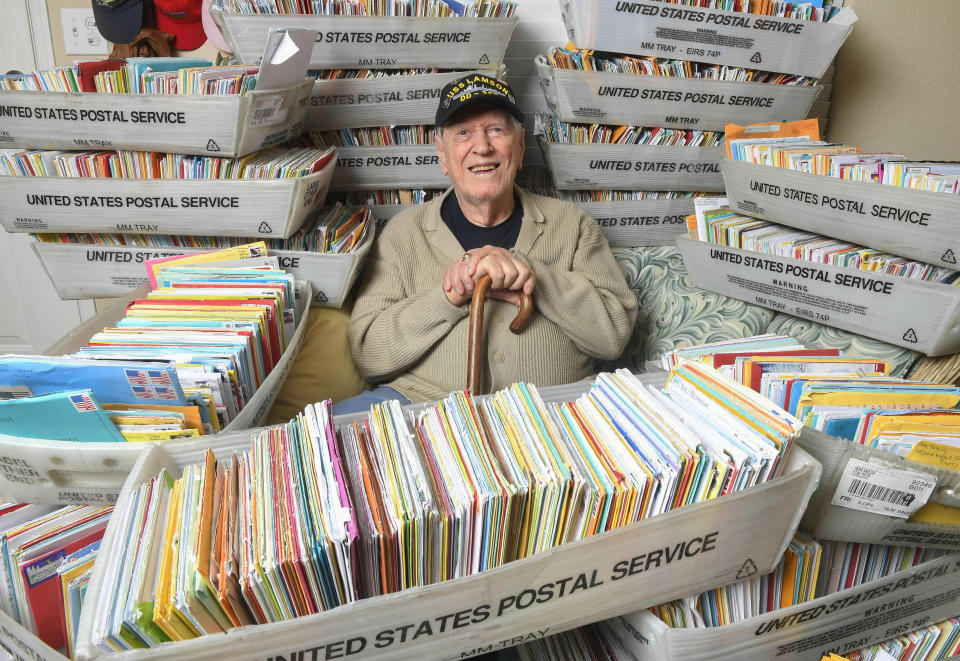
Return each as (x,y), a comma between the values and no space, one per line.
(476,328)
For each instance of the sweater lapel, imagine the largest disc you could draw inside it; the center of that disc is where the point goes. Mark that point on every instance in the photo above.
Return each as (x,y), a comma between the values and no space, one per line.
(533,222)
(437,233)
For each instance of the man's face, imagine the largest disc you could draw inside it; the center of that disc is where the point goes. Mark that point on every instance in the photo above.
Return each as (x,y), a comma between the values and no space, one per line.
(481,150)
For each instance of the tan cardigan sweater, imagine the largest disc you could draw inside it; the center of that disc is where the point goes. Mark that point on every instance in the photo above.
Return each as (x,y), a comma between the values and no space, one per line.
(405,332)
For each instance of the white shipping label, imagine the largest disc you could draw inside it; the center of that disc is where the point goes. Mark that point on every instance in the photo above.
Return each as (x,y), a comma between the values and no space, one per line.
(15,392)
(881,489)
(267,111)
(883,655)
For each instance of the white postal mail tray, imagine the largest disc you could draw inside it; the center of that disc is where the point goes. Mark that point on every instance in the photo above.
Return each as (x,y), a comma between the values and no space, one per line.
(395,166)
(632,223)
(839,622)
(34,470)
(377,42)
(622,570)
(208,125)
(770,43)
(80,271)
(590,166)
(600,97)
(262,208)
(922,316)
(921,225)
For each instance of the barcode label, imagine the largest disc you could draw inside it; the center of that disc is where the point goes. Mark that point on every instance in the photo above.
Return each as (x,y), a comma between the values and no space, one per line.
(267,111)
(877,492)
(876,487)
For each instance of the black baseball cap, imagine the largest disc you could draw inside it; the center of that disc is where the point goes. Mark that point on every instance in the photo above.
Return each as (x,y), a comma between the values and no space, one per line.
(475,90)
(118,21)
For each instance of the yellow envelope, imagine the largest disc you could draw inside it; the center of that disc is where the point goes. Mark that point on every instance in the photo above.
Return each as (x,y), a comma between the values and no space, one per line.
(255,249)
(191,414)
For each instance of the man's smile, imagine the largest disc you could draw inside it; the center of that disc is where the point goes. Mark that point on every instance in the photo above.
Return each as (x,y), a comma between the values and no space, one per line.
(483,167)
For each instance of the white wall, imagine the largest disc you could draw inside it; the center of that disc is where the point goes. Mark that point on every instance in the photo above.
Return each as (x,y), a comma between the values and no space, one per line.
(897,86)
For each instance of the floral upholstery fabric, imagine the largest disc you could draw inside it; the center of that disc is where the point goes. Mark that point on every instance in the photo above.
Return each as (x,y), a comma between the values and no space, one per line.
(674,313)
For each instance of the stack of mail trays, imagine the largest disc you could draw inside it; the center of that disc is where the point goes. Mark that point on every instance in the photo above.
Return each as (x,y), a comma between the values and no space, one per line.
(665,125)
(135,219)
(377,83)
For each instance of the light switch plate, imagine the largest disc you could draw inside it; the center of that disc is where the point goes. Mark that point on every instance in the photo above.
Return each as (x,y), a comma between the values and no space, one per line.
(80,34)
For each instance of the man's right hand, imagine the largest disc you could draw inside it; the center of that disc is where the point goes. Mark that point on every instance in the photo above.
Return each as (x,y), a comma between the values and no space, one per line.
(458,281)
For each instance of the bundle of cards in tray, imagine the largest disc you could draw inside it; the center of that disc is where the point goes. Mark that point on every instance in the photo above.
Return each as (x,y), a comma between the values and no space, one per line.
(46,557)
(842,595)
(784,172)
(569,133)
(139,75)
(850,397)
(373,136)
(273,163)
(588,60)
(269,193)
(181,105)
(934,642)
(724,227)
(432,8)
(846,162)
(391,503)
(327,251)
(183,362)
(855,399)
(798,37)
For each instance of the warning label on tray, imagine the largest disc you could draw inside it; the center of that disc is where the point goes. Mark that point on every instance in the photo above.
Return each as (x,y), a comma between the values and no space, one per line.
(906,536)
(701,36)
(799,295)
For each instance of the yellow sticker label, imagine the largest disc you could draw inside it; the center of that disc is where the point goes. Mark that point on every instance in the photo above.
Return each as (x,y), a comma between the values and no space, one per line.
(935,454)
(936,513)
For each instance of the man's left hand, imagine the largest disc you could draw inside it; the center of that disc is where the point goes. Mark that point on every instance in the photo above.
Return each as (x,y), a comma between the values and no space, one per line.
(508,274)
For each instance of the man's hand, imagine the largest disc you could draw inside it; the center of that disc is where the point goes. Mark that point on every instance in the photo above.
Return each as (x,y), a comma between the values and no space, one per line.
(508,276)
(458,280)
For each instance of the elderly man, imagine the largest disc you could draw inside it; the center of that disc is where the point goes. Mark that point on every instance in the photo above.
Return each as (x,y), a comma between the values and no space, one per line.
(409,325)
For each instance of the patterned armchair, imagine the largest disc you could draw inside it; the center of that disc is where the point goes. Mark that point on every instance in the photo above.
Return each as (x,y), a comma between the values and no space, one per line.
(673,313)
